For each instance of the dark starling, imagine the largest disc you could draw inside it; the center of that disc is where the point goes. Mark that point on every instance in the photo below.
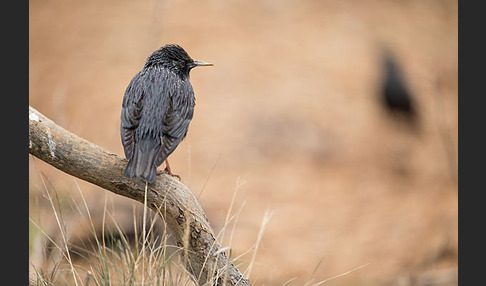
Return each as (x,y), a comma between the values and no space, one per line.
(395,94)
(157,108)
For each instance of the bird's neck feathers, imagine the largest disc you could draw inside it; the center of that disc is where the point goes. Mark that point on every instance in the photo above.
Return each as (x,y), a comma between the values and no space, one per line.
(175,67)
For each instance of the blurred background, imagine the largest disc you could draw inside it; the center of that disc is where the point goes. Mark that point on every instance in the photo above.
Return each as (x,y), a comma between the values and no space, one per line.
(338,117)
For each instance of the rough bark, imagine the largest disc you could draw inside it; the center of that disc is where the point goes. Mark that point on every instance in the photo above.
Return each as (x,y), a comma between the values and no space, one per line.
(167,196)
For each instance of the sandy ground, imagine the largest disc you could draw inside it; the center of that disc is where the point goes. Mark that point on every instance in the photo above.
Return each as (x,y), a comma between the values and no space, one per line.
(288,118)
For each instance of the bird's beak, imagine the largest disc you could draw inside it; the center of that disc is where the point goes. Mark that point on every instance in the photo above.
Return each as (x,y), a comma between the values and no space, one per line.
(199,63)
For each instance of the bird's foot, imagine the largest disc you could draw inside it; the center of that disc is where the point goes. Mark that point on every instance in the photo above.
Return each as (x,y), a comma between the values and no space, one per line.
(168,172)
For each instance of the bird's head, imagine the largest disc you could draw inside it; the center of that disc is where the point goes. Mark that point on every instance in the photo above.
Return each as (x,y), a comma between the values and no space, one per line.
(175,58)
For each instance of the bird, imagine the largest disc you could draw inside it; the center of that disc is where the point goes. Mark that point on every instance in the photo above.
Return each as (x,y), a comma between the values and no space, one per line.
(158,105)
(395,95)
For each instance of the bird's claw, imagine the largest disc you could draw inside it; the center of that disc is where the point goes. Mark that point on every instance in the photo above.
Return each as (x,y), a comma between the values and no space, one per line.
(168,172)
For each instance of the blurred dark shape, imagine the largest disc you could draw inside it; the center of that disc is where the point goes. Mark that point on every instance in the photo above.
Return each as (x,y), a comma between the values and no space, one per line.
(394,94)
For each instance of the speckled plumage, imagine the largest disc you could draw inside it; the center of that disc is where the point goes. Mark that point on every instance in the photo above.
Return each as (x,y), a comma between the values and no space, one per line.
(157,108)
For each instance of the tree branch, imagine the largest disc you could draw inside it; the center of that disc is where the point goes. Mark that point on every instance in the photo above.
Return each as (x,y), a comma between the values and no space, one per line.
(168,197)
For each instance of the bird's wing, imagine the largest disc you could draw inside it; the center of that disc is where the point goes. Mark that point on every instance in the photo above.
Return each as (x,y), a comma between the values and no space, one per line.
(177,119)
(131,113)
(180,112)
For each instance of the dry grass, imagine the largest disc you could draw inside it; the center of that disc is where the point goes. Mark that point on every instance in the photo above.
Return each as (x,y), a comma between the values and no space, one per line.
(113,257)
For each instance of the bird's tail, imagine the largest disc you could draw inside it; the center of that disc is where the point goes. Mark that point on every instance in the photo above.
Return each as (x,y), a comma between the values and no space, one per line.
(142,164)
